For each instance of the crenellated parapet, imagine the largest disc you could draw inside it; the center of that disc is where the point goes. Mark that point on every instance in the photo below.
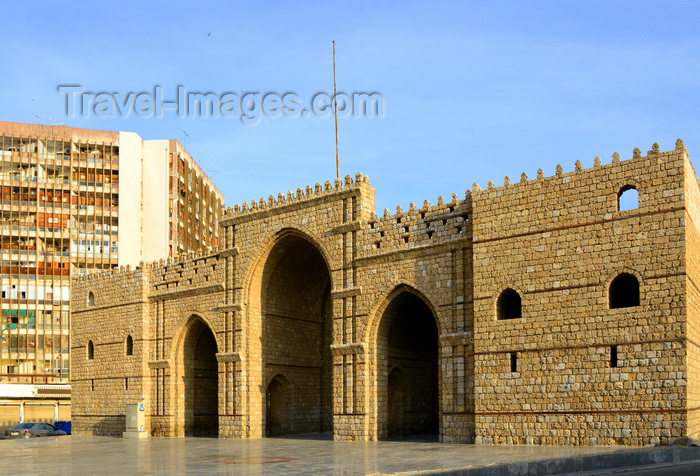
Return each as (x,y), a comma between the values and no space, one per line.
(578,168)
(418,227)
(308,193)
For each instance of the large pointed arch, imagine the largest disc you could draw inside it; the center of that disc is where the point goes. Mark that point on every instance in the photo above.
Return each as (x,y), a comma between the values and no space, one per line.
(289,308)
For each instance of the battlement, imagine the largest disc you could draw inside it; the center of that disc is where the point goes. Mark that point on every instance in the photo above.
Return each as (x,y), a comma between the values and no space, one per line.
(302,194)
(156,266)
(578,167)
(419,226)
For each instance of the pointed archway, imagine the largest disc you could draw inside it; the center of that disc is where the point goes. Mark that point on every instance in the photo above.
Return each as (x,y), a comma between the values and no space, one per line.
(277,414)
(200,381)
(295,305)
(407,367)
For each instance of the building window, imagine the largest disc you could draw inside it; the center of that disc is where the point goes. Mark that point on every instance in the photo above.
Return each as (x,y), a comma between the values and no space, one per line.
(624,291)
(509,305)
(129,345)
(627,198)
(514,362)
(614,362)
(91,299)
(90,350)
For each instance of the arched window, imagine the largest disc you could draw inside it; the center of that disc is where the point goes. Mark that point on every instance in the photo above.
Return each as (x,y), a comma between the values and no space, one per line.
(627,198)
(624,291)
(509,305)
(129,345)
(90,350)
(91,299)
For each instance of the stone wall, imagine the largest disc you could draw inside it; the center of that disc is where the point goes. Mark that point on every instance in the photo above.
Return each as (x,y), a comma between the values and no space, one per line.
(324,316)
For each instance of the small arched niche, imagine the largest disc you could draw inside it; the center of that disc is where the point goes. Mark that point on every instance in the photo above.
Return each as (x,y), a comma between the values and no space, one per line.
(509,305)
(623,291)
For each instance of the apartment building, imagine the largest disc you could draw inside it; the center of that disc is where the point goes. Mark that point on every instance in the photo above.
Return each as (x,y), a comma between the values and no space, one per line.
(74,201)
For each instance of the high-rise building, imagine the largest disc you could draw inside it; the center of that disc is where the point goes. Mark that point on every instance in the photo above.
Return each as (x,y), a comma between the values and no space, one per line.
(75,201)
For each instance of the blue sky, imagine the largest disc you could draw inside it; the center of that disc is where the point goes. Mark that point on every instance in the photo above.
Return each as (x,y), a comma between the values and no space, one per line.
(473,91)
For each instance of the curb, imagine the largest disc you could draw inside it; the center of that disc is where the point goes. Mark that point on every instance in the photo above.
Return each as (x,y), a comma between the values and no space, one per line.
(582,464)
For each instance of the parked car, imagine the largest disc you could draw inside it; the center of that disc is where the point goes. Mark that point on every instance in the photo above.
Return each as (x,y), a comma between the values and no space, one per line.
(28,430)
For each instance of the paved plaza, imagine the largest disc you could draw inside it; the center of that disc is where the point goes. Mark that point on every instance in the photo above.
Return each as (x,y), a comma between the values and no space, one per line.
(295,455)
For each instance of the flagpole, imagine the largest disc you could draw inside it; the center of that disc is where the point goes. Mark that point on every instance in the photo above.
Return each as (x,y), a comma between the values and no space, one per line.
(335,113)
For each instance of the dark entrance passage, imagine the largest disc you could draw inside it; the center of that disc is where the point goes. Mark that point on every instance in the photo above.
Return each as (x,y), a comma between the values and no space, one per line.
(201,382)
(277,417)
(296,338)
(410,355)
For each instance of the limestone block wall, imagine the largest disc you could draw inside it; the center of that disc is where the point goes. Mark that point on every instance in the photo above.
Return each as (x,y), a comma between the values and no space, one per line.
(109,310)
(548,377)
(315,314)
(692,297)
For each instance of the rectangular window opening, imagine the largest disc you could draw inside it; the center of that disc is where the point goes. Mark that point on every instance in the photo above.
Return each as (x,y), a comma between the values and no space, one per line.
(514,362)
(614,363)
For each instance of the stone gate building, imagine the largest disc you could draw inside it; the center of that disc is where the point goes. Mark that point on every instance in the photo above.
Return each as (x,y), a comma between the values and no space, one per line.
(534,312)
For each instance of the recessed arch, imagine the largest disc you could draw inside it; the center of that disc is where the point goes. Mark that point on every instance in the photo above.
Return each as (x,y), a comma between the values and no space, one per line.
(509,305)
(197,379)
(91,298)
(406,355)
(396,398)
(623,291)
(289,294)
(277,417)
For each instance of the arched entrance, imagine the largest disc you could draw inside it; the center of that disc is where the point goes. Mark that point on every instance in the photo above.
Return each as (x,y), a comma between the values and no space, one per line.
(395,403)
(201,381)
(277,417)
(407,368)
(296,337)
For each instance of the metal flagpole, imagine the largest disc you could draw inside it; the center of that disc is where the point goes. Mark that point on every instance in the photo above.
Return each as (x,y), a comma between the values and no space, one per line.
(335,113)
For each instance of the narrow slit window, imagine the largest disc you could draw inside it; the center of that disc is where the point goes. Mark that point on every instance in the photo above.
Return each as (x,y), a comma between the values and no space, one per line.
(513,362)
(614,362)
(129,345)
(90,350)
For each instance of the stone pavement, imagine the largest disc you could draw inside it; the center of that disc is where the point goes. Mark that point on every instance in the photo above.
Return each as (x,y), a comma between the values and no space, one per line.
(310,454)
